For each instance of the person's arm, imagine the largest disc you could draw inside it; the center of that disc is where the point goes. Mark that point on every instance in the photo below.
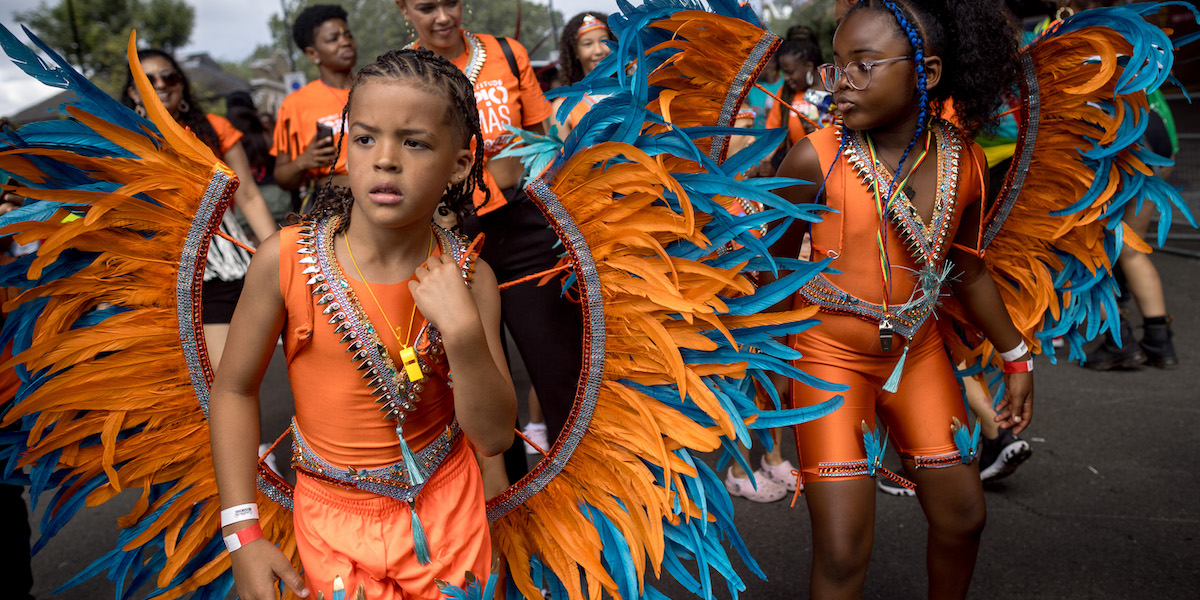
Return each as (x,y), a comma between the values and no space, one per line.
(564,128)
(320,154)
(248,198)
(973,286)
(469,320)
(233,420)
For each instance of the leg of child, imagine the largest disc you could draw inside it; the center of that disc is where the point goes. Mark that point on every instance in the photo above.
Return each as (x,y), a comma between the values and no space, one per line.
(1140,274)
(535,430)
(952,499)
(842,514)
(981,405)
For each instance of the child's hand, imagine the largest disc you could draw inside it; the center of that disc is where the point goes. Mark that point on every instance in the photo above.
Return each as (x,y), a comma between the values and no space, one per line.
(256,568)
(1016,408)
(441,294)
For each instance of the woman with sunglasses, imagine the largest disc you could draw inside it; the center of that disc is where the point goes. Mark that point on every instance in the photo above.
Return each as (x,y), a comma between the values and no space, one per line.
(546,327)
(227,261)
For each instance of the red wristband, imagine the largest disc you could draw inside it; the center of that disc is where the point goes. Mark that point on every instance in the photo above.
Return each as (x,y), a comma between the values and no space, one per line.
(235,541)
(1021,366)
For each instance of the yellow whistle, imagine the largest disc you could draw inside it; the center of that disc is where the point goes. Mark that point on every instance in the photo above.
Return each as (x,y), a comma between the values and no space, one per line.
(411,367)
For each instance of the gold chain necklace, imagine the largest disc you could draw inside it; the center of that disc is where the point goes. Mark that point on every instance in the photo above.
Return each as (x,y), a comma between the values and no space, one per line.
(407,354)
(476,55)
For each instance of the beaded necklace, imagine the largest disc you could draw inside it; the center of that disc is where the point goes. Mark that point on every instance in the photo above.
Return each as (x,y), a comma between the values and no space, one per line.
(476,55)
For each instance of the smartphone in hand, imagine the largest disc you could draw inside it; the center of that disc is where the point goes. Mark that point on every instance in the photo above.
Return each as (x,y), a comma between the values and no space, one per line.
(323,131)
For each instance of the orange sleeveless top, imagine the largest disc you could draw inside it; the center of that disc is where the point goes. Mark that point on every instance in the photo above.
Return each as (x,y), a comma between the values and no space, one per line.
(849,235)
(336,409)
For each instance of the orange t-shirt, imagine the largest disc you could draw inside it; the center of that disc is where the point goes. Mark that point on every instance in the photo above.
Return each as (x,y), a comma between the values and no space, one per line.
(503,100)
(335,408)
(227,134)
(296,123)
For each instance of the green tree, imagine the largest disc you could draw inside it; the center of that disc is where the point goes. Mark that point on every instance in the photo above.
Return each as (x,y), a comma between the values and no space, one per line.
(378,26)
(93,34)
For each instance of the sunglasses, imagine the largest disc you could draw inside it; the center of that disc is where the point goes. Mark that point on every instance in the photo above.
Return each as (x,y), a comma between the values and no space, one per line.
(168,78)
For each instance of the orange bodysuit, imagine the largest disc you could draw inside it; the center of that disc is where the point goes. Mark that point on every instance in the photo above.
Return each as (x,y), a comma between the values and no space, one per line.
(359,523)
(845,348)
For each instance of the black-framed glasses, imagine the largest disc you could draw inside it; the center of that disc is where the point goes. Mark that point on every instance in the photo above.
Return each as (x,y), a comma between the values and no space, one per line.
(169,78)
(857,73)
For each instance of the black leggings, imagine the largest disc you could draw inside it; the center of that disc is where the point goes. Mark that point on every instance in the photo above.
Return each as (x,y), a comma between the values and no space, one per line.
(546,326)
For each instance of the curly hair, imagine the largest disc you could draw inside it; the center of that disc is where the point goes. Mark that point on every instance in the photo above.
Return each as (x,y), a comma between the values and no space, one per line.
(194,117)
(307,22)
(978,43)
(436,74)
(568,56)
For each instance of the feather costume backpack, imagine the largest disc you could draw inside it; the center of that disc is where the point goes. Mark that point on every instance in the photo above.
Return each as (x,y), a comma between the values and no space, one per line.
(676,338)
(114,374)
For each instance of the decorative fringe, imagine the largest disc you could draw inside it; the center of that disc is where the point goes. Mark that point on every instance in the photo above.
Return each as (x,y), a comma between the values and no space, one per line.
(420,541)
(415,473)
(893,381)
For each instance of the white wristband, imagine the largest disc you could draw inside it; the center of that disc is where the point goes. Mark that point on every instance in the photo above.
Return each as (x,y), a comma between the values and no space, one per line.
(1015,353)
(241,512)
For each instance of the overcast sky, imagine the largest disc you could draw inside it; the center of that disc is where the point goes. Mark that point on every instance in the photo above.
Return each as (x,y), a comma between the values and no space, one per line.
(226,29)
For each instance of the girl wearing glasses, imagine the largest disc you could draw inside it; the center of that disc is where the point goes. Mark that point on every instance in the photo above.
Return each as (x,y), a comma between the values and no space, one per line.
(227,261)
(906,186)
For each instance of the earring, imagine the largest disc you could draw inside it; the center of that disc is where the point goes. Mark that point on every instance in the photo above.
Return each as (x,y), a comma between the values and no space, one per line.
(317,61)
(808,78)
(184,106)
(139,109)
(409,31)
(469,14)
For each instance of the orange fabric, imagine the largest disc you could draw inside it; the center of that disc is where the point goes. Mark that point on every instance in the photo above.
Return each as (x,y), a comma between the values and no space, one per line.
(369,541)
(296,122)
(226,132)
(502,100)
(845,349)
(334,407)
(917,416)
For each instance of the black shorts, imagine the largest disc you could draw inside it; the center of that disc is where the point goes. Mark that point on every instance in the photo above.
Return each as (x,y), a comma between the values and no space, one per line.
(218,299)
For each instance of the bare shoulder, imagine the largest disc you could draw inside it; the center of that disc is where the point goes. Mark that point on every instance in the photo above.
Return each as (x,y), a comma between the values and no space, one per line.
(802,162)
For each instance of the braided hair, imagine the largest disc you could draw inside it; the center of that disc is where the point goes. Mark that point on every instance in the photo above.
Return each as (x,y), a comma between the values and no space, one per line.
(568,56)
(432,73)
(978,44)
(193,117)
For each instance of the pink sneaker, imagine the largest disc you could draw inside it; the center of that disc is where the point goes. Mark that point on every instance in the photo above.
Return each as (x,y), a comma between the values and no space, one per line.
(782,473)
(766,492)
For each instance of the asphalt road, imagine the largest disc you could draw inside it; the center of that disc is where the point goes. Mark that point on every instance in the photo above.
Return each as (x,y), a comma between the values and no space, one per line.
(1106,507)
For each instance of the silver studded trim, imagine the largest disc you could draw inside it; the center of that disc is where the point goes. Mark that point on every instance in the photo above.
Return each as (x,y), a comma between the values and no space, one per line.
(1028,143)
(738,90)
(191,276)
(593,323)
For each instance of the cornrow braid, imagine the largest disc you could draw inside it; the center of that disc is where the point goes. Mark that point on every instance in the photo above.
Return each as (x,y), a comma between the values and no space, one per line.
(918,46)
(431,72)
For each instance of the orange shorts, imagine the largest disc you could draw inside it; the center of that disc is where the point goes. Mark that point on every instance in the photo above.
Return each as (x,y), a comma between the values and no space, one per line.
(369,540)
(918,416)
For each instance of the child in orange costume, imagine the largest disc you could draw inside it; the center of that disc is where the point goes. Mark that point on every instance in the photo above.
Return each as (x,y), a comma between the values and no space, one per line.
(390,499)
(908,191)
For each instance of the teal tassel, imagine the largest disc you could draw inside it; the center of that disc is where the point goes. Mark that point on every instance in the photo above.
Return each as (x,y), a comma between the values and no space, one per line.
(893,382)
(415,474)
(420,542)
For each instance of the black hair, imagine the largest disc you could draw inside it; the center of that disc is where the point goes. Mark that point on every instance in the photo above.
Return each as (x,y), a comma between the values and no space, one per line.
(978,44)
(804,49)
(800,32)
(431,72)
(309,19)
(568,57)
(191,113)
(254,139)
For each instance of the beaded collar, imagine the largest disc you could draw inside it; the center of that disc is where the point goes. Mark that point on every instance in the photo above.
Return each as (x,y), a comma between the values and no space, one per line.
(926,242)
(476,55)
(394,392)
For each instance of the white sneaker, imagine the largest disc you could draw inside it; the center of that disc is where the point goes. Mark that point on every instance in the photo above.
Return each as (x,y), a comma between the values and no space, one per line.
(270,458)
(767,491)
(536,432)
(783,473)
